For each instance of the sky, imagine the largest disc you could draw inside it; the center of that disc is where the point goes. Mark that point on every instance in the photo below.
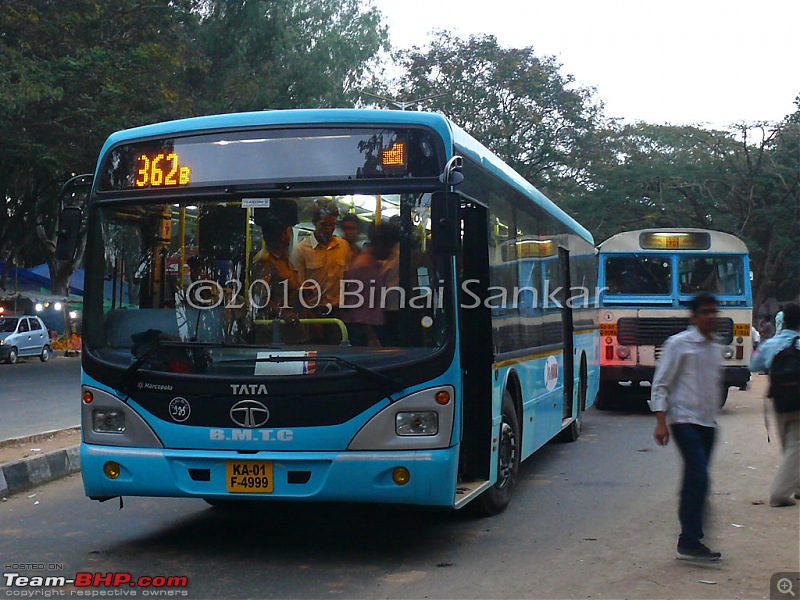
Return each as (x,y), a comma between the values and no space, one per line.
(707,62)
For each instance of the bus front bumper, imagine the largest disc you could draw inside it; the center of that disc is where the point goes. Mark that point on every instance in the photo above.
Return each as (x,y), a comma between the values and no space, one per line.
(733,376)
(312,476)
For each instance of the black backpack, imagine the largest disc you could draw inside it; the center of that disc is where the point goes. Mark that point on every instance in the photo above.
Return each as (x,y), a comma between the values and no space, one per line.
(784,379)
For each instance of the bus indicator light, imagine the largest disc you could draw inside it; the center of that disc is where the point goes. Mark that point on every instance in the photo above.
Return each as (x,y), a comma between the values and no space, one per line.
(401,476)
(695,240)
(112,469)
(394,156)
(161,170)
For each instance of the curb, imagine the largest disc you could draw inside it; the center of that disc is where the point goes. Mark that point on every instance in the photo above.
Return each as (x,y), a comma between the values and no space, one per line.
(29,472)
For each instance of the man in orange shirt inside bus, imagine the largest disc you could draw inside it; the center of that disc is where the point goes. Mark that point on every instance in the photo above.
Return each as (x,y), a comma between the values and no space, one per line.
(322,258)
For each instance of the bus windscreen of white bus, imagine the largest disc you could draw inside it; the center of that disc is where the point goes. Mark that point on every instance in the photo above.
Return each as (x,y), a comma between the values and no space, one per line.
(232,283)
(722,275)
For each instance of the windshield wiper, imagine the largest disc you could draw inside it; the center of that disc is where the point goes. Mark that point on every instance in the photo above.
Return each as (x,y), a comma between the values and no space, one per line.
(388,385)
(156,344)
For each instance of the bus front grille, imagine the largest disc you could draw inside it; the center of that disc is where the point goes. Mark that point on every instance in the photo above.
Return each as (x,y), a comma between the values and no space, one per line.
(651,331)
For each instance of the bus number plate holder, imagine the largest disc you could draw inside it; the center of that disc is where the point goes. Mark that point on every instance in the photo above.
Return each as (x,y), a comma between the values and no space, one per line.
(249,476)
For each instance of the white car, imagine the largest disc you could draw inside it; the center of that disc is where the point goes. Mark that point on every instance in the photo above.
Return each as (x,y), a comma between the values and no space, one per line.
(23,335)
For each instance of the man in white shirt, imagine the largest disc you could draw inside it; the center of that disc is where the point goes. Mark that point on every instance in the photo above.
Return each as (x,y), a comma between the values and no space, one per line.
(685,396)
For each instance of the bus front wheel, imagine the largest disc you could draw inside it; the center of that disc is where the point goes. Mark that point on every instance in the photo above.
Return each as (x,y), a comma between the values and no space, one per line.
(496,498)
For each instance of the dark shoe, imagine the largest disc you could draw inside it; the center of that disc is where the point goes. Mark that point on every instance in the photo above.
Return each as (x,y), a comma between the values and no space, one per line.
(787,502)
(698,553)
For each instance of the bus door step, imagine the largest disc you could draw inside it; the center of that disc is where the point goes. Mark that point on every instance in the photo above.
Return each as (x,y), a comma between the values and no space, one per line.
(468,490)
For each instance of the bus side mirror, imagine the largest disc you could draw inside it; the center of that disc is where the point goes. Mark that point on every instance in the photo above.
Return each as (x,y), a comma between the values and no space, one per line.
(446,223)
(69,228)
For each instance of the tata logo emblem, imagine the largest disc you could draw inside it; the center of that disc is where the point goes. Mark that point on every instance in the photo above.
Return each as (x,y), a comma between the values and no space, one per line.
(179,409)
(249,413)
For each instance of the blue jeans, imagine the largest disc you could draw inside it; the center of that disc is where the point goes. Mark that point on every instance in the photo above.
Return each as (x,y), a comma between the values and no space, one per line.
(695,443)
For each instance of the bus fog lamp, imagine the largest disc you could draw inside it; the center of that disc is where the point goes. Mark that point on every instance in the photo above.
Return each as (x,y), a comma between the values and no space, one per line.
(727,352)
(623,352)
(111,469)
(416,423)
(401,476)
(108,421)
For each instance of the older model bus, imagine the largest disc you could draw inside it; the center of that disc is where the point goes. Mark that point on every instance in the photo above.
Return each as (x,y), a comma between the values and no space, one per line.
(647,278)
(238,347)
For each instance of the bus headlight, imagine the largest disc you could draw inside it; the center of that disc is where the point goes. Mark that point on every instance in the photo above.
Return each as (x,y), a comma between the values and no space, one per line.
(623,352)
(727,353)
(108,421)
(416,423)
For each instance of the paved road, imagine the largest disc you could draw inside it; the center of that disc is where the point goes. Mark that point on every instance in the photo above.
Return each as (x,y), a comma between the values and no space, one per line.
(37,396)
(312,551)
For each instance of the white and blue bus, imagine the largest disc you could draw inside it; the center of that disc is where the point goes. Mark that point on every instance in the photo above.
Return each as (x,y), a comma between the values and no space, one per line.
(195,385)
(647,278)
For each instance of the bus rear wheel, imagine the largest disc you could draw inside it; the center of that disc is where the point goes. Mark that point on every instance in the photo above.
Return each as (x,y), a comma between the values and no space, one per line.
(496,498)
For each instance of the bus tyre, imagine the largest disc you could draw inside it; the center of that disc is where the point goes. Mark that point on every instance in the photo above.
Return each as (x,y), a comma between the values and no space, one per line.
(723,396)
(603,399)
(496,498)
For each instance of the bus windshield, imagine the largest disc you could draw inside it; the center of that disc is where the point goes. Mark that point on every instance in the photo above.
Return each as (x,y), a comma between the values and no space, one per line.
(722,275)
(638,275)
(262,286)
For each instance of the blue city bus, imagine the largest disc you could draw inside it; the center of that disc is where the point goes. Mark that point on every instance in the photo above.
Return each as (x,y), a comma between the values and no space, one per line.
(220,363)
(647,278)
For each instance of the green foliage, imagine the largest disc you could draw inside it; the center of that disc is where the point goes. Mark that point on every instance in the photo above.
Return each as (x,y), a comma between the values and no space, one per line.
(74,71)
(519,105)
(269,54)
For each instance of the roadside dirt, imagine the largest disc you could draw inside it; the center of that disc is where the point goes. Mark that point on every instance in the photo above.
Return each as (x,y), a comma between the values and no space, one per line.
(11,451)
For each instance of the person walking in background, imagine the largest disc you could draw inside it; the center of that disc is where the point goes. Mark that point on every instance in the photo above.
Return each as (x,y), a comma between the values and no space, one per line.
(765,328)
(685,398)
(786,402)
(779,320)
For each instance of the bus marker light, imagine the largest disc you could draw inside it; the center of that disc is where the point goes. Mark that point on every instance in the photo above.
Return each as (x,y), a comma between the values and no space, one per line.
(401,476)
(88,397)
(609,352)
(442,397)
(111,469)
(739,352)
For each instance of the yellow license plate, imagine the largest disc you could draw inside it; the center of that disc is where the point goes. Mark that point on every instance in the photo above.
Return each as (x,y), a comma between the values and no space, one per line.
(608,329)
(248,476)
(741,330)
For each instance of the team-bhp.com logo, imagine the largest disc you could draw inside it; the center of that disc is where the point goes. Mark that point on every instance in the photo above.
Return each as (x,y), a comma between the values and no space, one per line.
(151,586)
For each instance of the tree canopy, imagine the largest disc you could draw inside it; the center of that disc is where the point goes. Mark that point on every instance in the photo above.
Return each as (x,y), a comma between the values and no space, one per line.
(74,71)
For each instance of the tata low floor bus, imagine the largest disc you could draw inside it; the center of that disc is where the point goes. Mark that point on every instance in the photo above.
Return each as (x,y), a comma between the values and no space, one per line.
(647,278)
(210,371)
